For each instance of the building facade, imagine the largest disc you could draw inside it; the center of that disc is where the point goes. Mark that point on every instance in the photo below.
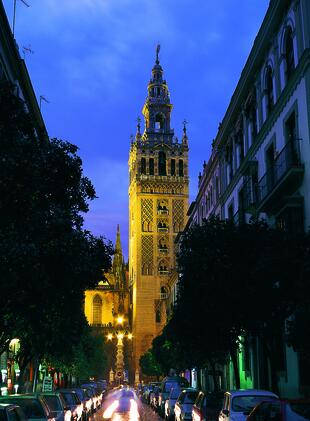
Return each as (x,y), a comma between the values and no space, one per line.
(13,69)
(260,162)
(158,201)
(107,312)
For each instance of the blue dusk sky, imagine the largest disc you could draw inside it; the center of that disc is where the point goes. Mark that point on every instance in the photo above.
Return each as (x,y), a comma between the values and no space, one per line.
(93,58)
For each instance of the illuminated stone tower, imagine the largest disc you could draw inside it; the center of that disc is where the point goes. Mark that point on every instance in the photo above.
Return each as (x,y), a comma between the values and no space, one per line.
(158,202)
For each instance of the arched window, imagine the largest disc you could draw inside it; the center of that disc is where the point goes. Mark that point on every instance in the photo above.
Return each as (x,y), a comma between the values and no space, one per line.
(143,166)
(151,166)
(181,168)
(269,90)
(172,166)
(97,310)
(289,53)
(159,121)
(162,163)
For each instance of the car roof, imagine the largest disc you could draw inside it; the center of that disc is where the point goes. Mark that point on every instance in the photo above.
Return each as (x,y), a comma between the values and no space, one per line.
(20,396)
(190,389)
(251,392)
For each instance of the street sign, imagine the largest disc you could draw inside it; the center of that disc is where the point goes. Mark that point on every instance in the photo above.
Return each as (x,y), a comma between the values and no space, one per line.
(47,384)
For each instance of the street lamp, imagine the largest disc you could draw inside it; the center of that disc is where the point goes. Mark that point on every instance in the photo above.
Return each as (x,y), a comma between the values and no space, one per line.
(119,332)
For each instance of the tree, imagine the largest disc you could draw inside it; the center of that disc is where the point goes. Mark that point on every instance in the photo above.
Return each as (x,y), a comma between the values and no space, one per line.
(149,365)
(236,281)
(47,259)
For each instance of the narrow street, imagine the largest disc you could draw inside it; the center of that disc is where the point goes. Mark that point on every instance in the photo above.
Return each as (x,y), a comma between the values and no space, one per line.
(146,414)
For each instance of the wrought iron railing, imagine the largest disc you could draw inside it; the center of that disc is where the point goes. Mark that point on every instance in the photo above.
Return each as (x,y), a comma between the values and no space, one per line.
(288,158)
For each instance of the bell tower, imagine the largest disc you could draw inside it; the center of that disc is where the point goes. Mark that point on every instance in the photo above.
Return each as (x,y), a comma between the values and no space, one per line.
(158,202)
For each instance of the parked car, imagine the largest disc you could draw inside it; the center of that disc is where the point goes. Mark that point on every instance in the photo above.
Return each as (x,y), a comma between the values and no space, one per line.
(281,410)
(170,403)
(57,406)
(32,404)
(154,395)
(207,407)
(97,396)
(184,404)
(11,412)
(167,384)
(86,401)
(73,402)
(237,404)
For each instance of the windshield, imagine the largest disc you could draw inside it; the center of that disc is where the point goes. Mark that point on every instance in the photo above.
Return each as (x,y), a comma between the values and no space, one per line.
(31,407)
(190,397)
(247,403)
(175,392)
(69,398)
(53,403)
(298,408)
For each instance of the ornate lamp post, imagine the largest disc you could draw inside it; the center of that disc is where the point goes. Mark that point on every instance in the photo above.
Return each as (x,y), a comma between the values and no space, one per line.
(120,333)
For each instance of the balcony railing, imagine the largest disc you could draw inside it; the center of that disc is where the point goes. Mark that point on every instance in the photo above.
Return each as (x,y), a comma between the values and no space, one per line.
(283,176)
(162,229)
(163,272)
(162,211)
(163,295)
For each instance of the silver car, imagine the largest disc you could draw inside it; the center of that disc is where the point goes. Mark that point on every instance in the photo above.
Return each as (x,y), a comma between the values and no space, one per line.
(184,404)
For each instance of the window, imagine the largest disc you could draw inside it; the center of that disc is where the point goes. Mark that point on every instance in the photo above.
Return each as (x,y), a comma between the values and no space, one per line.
(290,128)
(97,310)
(162,163)
(143,166)
(159,121)
(172,166)
(151,166)
(269,90)
(289,53)
(181,168)
(231,212)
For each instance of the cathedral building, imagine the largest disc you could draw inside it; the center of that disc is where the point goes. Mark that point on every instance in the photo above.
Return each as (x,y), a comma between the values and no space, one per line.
(105,305)
(158,202)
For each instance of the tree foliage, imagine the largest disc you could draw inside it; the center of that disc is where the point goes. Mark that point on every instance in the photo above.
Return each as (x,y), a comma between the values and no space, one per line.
(236,281)
(47,259)
(149,365)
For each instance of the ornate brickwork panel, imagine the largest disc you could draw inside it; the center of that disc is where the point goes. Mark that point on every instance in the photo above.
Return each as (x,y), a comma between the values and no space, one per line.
(177,214)
(147,210)
(147,254)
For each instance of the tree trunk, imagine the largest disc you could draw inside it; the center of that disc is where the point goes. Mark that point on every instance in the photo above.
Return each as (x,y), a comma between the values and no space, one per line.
(272,356)
(198,378)
(233,355)
(215,379)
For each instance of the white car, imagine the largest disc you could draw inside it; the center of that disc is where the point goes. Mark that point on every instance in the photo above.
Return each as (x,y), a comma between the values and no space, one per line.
(237,404)
(184,404)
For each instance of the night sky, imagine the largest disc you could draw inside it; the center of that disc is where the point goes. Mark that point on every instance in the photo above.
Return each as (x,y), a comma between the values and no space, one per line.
(92,61)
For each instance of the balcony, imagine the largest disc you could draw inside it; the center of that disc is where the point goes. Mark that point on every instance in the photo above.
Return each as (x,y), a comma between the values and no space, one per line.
(163,295)
(163,271)
(281,179)
(163,250)
(239,217)
(162,212)
(162,229)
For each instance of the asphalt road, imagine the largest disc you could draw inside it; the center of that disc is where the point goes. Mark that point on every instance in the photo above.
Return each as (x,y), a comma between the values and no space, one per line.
(146,414)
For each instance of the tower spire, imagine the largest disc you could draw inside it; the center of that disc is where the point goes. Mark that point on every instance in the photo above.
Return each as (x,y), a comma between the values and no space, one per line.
(157,53)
